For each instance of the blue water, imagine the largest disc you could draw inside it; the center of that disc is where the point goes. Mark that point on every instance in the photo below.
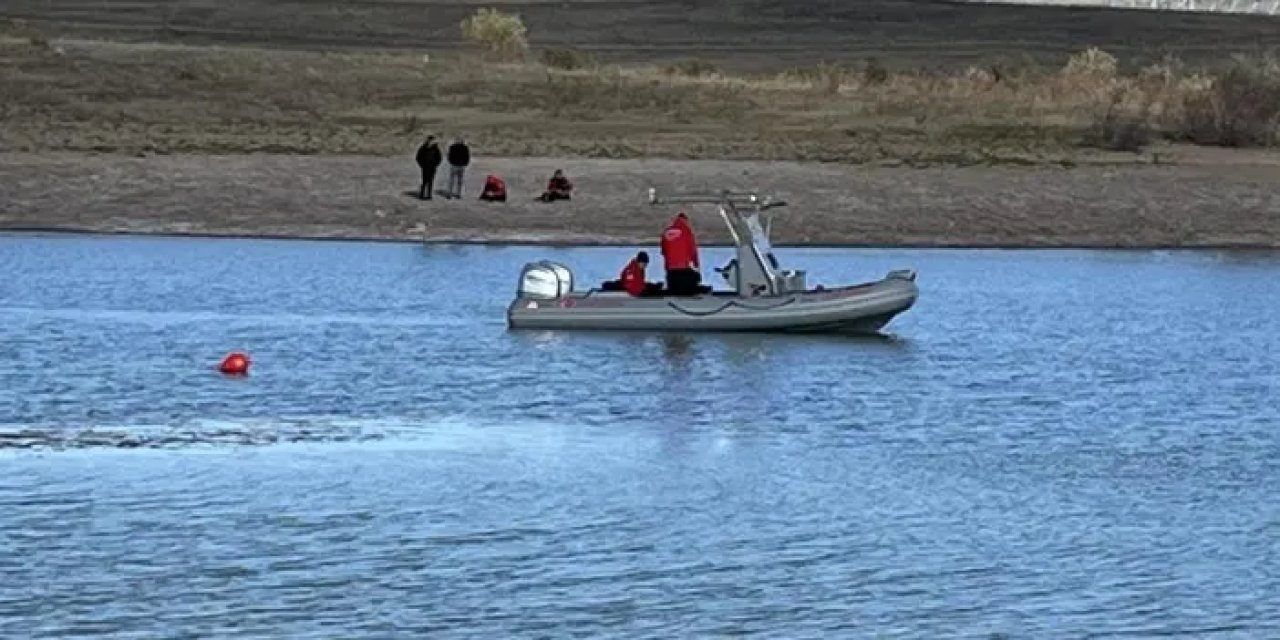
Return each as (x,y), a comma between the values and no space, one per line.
(1049,444)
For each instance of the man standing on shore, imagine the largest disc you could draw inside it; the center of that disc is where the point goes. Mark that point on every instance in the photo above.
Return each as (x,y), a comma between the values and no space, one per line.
(428,160)
(459,158)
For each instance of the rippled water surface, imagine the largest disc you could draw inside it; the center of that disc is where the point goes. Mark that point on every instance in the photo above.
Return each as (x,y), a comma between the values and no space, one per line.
(1050,444)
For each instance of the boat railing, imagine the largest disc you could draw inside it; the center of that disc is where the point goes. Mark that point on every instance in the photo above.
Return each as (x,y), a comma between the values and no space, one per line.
(734,199)
(729,202)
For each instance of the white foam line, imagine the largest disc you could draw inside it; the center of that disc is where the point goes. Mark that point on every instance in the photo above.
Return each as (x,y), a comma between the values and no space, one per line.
(290,433)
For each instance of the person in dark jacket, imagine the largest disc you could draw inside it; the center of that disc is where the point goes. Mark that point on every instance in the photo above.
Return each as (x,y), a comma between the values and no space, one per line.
(558,188)
(459,158)
(428,158)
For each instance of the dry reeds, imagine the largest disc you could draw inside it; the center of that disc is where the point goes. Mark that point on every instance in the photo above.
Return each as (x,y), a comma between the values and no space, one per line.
(194,99)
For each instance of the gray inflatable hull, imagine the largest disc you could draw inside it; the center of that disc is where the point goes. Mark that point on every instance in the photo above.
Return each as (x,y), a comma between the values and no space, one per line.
(863,308)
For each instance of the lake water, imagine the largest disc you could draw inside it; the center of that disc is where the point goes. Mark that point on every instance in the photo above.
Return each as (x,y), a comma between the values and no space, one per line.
(1049,444)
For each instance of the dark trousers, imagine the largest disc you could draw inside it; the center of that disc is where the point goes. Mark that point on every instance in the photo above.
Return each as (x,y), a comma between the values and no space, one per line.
(683,282)
(651,289)
(428,182)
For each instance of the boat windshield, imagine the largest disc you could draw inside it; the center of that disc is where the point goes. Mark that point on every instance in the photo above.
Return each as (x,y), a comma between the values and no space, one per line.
(758,236)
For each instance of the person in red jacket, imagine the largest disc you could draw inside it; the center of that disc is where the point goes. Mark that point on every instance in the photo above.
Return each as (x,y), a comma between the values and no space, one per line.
(495,190)
(680,253)
(632,278)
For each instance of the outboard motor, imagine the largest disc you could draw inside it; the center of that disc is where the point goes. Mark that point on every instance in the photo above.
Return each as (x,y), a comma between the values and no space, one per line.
(545,280)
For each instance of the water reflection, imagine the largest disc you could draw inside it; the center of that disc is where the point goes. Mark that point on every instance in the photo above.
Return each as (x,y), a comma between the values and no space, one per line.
(677,348)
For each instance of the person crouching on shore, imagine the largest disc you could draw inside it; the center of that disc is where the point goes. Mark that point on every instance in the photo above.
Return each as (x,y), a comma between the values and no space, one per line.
(494,190)
(558,188)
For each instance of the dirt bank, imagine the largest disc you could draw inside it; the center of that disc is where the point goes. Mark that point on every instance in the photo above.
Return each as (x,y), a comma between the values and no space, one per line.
(1189,205)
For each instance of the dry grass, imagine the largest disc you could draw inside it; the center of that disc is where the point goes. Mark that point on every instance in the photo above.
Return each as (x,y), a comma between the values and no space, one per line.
(79,95)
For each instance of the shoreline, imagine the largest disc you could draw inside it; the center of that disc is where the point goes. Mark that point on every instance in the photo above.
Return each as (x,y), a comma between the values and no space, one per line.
(499,242)
(1143,207)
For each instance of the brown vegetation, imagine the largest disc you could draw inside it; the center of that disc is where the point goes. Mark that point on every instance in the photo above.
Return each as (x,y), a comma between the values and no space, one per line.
(77,95)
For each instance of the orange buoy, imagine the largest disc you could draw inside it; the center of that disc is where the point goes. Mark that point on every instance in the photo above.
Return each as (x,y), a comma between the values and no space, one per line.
(235,364)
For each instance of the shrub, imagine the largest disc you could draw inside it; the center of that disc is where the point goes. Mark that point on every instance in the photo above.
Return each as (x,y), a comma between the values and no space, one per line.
(1167,72)
(982,76)
(1092,62)
(692,68)
(568,59)
(1018,68)
(1119,128)
(828,79)
(825,78)
(874,73)
(1237,107)
(501,34)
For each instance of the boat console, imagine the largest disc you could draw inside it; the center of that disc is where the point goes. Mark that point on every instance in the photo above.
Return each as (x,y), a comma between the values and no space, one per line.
(754,271)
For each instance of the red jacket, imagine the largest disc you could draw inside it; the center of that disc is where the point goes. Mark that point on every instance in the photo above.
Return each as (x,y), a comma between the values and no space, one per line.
(561,184)
(679,247)
(633,278)
(495,186)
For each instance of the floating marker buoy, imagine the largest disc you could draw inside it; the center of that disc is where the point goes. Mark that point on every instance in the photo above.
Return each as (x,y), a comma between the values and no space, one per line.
(235,364)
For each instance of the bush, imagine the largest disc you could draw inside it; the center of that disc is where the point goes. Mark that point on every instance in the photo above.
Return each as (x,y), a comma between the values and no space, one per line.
(1164,73)
(982,76)
(1118,129)
(825,78)
(1019,69)
(568,59)
(501,34)
(1241,107)
(1092,62)
(828,79)
(692,68)
(874,73)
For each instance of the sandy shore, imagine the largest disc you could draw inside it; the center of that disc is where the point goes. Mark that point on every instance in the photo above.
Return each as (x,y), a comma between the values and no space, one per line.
(1204,205)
